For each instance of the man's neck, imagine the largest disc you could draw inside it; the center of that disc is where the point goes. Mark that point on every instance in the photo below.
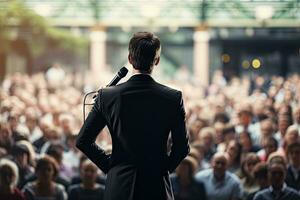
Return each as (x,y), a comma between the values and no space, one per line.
(135,72)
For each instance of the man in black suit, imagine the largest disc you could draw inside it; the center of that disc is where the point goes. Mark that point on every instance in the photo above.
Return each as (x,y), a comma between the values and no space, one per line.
(140,114)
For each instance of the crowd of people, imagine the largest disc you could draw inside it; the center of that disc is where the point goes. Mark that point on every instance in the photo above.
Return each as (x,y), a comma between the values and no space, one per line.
(243,135)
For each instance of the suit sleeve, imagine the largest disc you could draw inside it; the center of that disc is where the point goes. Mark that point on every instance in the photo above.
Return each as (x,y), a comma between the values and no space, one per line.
(180,145)
(86,138)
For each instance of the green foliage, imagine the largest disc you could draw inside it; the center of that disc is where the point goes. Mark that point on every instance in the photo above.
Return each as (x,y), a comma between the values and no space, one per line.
(17,22)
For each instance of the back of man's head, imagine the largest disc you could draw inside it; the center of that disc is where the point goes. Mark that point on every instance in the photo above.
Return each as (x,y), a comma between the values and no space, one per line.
(144,50)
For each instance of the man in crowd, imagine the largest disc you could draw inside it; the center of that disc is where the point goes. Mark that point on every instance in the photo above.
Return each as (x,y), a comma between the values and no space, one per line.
(218,182)
(278,189)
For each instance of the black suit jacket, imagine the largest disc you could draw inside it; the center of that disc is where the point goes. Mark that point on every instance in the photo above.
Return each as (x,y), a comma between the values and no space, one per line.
(140,115)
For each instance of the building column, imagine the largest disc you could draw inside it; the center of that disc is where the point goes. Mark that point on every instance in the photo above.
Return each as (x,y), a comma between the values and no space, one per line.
(98,51)
(201,56)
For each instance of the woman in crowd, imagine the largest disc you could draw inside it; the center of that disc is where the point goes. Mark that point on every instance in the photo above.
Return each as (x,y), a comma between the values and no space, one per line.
(245,141)
(8,181)
(246,173)
(44,188)
(184,185)
(234,151)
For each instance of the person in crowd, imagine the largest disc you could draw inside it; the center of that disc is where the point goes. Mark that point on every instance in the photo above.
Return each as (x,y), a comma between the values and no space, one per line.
(71,157)
(8,181)
(244,139)
(22,158)
(77,179)
(228,134)
(285,110)
(195,126)
(296,117)
(221,117)
(89,189)
(283,123)
(6,140)
(290,137)
(260,173)
(202,163)
(267,129)
(234,150)
(218,182)
(184,185)
(56,150)
(13,121)
(278,189)
(219,137)
(66,122)
(206,135)
(293,170)
(44,187)
(270,145)
(245,116)
(246,173)
(46,127)
(31,124)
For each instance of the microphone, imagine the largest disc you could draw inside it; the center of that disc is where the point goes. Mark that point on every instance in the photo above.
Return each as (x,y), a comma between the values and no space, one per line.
(121,74)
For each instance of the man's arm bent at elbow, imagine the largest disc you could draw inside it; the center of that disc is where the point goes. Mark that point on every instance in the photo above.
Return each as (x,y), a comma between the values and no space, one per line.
(86,138)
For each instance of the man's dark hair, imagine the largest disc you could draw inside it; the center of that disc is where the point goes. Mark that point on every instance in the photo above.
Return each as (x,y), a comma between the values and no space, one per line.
(143,47)
(260,170)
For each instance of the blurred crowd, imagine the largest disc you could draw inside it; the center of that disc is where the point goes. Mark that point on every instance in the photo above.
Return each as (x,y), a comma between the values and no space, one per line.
(243,132)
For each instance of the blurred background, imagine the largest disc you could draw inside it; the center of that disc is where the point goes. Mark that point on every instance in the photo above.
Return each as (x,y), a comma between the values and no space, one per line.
(238,37)
(236,61)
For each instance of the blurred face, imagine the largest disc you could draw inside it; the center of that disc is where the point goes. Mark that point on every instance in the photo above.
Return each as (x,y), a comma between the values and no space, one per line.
(277,175)
(269,147)
(291,136)
(283,125)
(13,122)
(46,172)
(232,150)
(266,129)
(245,142)
(207,140)
(196,127)
(219,165)
(294,157)
(30,122)
(244,119)
(250,165)
(66,125)
(89,173)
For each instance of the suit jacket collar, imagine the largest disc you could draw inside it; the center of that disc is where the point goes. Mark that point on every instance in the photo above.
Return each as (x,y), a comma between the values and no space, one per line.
(141,77)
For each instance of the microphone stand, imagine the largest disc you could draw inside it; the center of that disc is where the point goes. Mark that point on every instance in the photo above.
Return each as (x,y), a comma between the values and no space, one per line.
(85,104)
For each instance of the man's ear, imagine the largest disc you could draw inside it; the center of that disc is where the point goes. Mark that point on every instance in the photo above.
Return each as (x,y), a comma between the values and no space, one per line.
(129,59)
(156,61)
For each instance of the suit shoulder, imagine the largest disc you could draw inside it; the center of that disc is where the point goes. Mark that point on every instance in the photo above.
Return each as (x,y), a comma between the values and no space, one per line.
(112,90)
(169,92)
